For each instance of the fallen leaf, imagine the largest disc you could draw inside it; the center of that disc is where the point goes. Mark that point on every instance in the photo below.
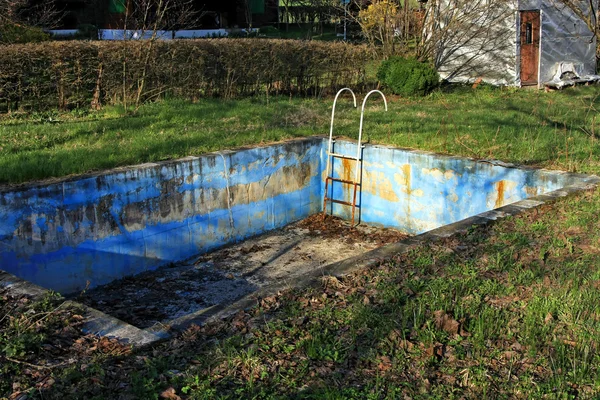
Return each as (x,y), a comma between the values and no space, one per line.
(516,346)
(385,363)
(435,350)
(446,323)
(170,394)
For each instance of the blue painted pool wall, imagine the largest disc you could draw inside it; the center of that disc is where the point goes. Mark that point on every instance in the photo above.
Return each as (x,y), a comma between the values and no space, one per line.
(92,230)
(417,191)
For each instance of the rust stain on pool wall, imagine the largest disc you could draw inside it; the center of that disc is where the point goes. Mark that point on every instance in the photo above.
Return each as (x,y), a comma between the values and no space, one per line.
(378,184)
(500,191)
(406,169)
(348,176)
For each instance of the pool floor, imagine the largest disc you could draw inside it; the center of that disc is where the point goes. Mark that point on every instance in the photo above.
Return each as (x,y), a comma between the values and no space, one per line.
(153,299)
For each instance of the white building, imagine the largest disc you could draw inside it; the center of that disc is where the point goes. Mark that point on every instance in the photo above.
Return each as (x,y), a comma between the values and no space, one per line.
(512,42)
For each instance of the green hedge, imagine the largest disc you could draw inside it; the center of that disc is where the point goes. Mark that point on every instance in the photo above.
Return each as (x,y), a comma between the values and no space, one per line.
(77,74)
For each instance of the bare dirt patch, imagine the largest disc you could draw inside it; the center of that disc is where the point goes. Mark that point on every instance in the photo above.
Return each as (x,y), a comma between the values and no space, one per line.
(225,275)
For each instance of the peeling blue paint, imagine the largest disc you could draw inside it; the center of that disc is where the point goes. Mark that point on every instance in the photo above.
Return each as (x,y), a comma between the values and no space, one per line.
(99,228)
(90,230)
(417,191)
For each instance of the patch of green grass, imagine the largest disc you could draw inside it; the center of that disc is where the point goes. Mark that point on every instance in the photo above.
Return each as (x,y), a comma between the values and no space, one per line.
(554,130)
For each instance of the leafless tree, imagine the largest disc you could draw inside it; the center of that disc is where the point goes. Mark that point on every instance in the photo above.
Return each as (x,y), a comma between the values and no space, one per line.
(246,6)
(26,14)
(389,26)
(468,37)
(152,20)
(310,12)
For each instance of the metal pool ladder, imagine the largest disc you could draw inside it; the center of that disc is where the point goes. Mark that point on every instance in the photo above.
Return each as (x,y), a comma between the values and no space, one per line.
(358,160)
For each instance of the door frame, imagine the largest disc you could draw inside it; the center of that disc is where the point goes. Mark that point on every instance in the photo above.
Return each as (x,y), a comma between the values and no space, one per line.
(539,50)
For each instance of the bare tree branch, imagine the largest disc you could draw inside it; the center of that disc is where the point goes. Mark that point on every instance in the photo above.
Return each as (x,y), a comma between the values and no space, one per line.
(161,15)
(586,10)
(27,13)
(467,37)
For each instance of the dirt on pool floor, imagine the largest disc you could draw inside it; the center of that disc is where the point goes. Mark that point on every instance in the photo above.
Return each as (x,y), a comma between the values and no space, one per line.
(225,275)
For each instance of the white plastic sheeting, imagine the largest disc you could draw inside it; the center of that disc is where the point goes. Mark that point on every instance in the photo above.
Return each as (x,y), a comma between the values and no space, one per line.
(569,74)
(565,39)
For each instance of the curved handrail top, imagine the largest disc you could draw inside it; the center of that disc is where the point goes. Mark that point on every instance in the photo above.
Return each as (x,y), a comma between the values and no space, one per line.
(360,128)
(370,93)
(340,92)
(333,108)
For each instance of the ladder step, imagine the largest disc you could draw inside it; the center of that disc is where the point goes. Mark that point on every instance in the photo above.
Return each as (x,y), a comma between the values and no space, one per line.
(343,181)
(340,202)
(343,156)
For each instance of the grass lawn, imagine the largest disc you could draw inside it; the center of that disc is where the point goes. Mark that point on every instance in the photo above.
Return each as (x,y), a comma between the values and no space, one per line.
(508,310)
(555,130)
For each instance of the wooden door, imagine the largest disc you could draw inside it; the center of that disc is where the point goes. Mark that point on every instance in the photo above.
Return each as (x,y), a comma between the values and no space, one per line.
(530,47)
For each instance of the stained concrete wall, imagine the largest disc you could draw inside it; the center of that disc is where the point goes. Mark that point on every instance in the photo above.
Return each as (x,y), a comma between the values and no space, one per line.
(417,191)
(103,227)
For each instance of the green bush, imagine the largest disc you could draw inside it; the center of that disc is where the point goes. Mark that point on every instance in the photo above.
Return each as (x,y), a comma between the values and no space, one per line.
(269,31)
(87,32)
(408,76)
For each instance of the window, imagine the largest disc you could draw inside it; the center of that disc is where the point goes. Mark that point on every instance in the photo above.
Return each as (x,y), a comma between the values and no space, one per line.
(528,33)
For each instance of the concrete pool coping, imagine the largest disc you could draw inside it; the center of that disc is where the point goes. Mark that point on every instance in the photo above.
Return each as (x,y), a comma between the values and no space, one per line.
(99,323)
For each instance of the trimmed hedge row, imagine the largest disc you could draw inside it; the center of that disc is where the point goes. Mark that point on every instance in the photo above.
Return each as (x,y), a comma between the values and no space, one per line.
(78,74)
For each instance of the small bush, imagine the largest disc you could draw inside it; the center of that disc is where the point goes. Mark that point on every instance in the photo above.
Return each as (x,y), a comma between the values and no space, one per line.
(408,76)
(269,31)
(87,32)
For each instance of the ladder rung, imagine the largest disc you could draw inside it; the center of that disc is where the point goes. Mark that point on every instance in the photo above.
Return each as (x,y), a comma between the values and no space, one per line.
(340,202)
(343,156)
(343,181)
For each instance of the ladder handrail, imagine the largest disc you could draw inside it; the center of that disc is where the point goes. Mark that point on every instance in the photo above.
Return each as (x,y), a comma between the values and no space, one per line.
(333,113)
(329,145)
(362,114)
